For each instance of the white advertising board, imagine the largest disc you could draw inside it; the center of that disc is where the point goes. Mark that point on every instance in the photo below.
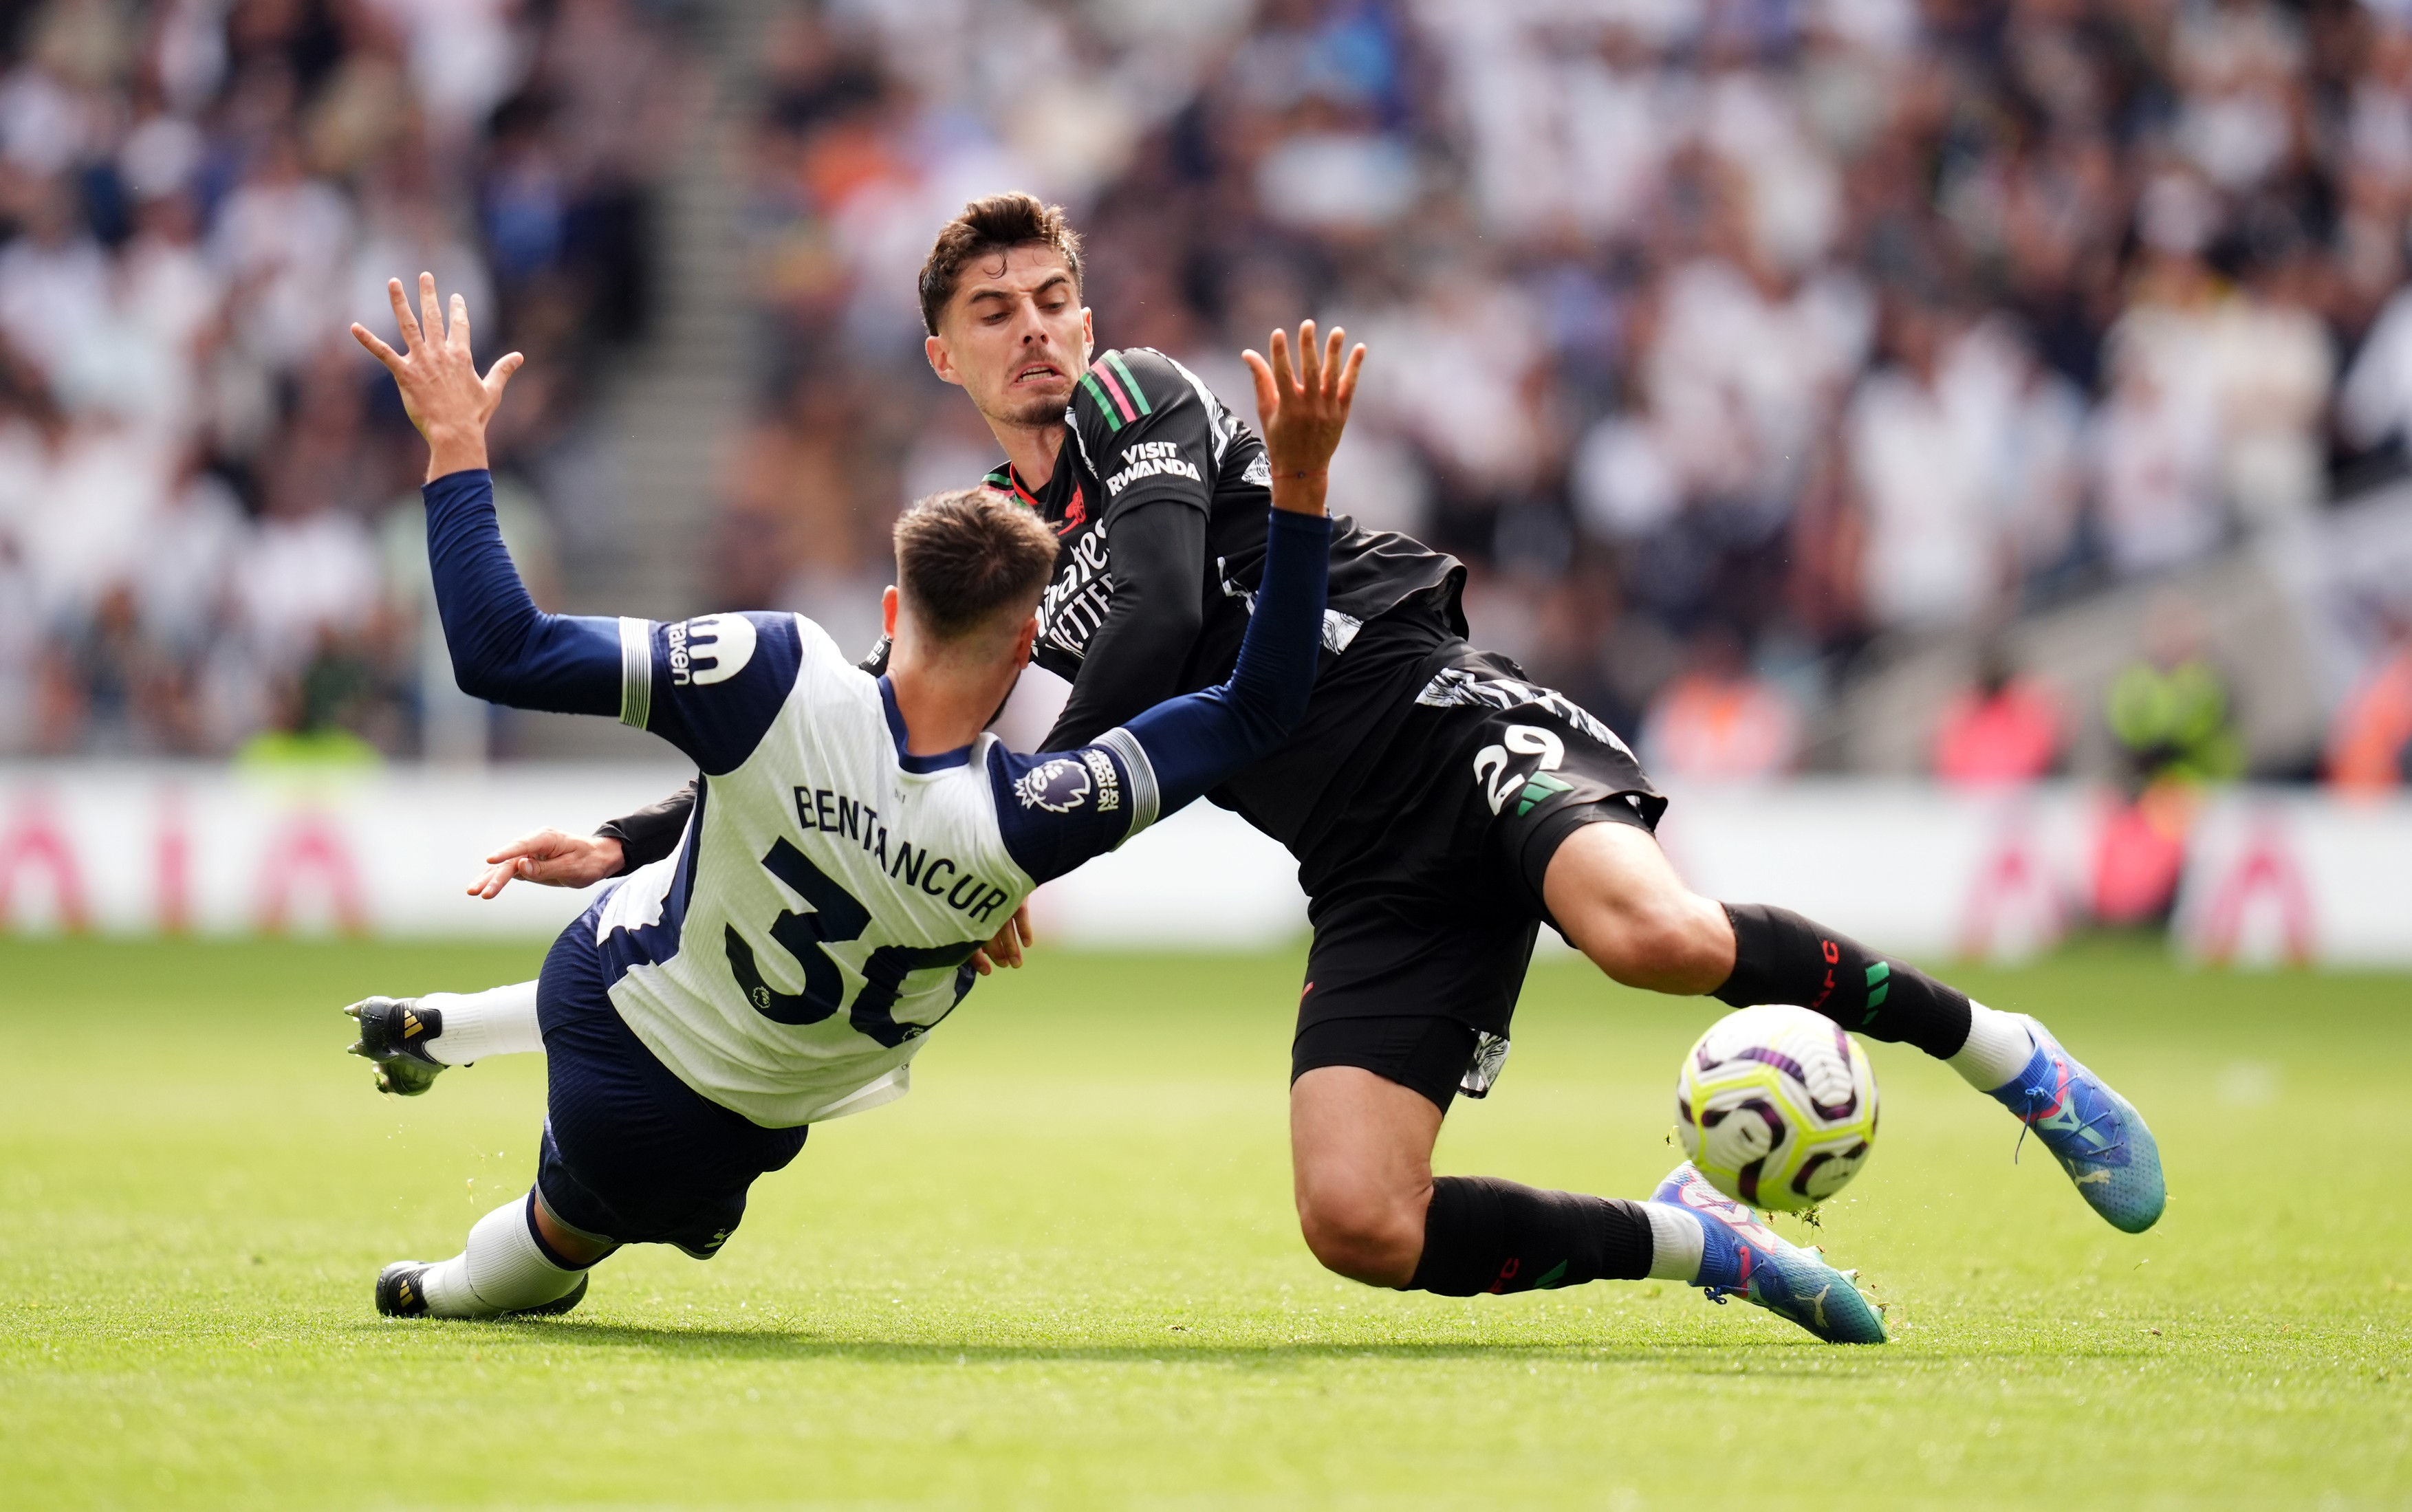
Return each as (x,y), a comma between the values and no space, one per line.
(2268,875)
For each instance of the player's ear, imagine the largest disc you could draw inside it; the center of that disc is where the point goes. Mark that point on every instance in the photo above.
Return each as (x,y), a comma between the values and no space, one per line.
(887,599)
(1088,336)
(942,361)
(1025,643)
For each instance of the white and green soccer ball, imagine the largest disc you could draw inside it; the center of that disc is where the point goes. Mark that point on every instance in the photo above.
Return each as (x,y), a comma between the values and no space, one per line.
(1777,1107)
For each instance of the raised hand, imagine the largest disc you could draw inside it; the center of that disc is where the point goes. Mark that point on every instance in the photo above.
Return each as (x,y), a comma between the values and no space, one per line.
(550,857)
(438,376)
(1302,414)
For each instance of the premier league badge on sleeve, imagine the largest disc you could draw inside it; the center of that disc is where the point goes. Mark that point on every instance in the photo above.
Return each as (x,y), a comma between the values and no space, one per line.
(1059,786)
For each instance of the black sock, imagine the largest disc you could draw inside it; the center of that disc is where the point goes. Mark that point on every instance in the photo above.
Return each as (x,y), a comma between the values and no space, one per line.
(1485,1235)
(1780,957)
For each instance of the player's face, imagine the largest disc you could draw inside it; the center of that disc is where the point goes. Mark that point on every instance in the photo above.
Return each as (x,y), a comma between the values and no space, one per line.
(1015,336)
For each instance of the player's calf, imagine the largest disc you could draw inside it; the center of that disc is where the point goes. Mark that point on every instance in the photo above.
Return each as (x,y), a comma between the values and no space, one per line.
(1483,1234)
(1486,1235)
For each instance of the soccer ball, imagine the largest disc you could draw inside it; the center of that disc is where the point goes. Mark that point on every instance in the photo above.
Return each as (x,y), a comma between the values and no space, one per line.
(1777,1107)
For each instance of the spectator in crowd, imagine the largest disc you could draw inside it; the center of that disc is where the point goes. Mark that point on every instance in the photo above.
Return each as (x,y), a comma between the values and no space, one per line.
(2005,727)
(1631,260)
(2370,742)
(1718,721)
(195,197)
(2171,711)
(2170,715)
(1835,323)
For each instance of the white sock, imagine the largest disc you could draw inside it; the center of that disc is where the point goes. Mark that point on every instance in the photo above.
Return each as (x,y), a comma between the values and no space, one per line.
(1998,1048)
(500,1271)
(500,1020)
(1676,1242)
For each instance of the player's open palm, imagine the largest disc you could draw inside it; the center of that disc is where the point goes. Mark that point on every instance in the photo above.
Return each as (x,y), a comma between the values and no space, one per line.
(437,373)
(1304,411)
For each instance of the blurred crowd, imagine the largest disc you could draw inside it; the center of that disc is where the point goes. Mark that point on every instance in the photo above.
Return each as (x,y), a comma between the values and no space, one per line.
(1726,339)
(209,540)
(1731,343)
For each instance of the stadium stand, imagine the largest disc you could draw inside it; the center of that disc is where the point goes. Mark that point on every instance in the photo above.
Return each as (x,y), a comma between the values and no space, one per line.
(206,501)
(1870,337)
(1853,329)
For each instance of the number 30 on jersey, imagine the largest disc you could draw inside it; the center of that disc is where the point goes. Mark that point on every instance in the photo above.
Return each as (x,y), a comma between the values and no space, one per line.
(836,918)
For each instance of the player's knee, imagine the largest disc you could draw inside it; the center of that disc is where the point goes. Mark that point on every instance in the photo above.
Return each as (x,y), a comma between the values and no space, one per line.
(1362,1231)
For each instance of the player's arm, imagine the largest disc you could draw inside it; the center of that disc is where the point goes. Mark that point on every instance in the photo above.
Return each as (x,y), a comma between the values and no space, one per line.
(650,832)
(1199,741)
(619,846)
(1173,752)
(1151,441)
(554,858)
(709,687)
(504,648)
(1134,660)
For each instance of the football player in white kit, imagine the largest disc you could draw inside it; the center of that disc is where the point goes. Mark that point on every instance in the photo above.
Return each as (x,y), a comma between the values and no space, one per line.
(855,842)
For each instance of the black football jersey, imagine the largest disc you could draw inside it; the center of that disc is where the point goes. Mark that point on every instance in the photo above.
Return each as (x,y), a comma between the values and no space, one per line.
(1144,428)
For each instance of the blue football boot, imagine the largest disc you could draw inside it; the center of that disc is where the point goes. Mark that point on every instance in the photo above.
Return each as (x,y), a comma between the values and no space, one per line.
(1743,1257)
(2098,1136)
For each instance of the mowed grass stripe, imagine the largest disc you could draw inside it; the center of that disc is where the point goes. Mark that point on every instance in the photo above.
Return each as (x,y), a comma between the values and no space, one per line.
(1064,1271)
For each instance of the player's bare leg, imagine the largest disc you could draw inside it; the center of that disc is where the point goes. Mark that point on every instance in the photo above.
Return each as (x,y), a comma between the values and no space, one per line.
(1612,893)
(1620,903)
(1360,1166)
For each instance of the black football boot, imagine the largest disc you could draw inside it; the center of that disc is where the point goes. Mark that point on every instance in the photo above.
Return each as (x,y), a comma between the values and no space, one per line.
(394,1032)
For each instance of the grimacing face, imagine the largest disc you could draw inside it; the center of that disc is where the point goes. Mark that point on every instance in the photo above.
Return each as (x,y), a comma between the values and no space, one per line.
(1015,335)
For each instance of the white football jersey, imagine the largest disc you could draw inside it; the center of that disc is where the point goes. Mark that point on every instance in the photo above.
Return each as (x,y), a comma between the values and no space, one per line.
(818,915)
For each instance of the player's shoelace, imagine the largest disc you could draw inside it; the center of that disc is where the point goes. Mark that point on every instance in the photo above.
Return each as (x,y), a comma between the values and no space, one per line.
(1744,1258)
(2096,1136)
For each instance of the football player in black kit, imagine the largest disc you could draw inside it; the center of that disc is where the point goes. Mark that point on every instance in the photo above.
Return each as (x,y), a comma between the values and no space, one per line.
(1440,806)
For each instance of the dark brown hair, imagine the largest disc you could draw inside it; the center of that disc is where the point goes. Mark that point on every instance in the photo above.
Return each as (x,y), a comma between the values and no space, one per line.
(964,554)
(996,223)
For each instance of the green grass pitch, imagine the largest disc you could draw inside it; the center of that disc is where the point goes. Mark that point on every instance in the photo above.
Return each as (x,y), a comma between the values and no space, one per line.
(1064,1273)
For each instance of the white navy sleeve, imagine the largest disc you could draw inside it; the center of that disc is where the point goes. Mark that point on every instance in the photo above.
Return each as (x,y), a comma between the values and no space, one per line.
(1061,808)
(710,685)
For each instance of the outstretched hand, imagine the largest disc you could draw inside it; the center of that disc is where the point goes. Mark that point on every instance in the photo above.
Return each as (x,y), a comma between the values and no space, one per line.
(1302,414)
(438,377)
(550,857)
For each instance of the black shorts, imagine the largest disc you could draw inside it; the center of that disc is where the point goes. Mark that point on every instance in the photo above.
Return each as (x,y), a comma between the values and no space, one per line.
(631,1154)
(1425,886)
(1428,1053)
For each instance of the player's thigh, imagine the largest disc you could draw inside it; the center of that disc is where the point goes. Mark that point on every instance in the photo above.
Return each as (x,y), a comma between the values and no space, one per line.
(629,1154)
(1555,821)
(1617,899)
(1360,1146)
